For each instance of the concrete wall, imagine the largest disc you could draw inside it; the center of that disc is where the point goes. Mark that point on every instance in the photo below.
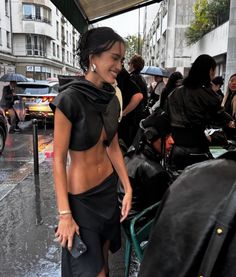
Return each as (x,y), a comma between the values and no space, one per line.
(214,43)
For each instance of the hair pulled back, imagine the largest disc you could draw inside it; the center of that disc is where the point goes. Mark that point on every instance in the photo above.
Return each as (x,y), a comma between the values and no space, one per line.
(95,41)
(199,73)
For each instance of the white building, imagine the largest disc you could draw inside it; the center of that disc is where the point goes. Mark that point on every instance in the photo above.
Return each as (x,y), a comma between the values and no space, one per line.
(165,43)
(36,40)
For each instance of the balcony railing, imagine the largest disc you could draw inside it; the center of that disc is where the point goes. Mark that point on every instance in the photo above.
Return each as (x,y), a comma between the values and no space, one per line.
(37,18)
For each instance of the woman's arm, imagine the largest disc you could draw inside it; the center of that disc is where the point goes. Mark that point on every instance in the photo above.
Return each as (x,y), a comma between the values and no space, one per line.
(117,160)
(134,101)
(66,226)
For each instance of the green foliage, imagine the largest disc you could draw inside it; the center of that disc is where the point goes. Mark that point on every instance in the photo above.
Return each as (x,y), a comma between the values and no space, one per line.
(132,46)
(207,17)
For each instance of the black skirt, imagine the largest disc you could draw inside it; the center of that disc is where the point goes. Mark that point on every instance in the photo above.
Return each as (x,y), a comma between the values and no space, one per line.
(97,213)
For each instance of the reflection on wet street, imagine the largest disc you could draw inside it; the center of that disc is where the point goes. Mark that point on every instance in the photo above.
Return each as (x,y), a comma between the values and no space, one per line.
(28,248)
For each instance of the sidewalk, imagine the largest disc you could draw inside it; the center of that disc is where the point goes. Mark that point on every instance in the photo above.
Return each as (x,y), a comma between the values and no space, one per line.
(28,249)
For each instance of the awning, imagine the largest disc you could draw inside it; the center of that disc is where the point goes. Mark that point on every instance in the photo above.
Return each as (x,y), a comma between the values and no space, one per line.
(82,13)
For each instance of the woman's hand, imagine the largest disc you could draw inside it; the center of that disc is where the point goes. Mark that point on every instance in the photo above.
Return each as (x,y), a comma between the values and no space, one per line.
(66,230)
(126,205)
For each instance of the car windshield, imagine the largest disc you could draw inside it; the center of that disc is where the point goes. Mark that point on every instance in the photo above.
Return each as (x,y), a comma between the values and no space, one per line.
(33,90)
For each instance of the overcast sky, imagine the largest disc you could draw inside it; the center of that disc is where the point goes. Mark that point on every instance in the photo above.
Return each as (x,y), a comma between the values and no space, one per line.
(125,24)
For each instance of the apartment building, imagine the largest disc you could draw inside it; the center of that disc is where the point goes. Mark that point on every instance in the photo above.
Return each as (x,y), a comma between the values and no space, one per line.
(165,43)
(36,40)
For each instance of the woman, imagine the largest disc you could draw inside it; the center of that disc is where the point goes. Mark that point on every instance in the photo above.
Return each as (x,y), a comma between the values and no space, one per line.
(86,120)
(173,81)
(192,107)
(229,101)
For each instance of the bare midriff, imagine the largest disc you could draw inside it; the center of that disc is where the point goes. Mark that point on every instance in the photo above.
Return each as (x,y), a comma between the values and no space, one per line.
(88,168)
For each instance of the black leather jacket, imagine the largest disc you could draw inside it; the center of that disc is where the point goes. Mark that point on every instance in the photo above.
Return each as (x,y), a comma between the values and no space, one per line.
(190,222)
(191,111)
(149,180)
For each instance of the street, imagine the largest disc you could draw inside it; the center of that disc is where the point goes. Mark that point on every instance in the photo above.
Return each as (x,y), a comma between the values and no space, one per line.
(28,210)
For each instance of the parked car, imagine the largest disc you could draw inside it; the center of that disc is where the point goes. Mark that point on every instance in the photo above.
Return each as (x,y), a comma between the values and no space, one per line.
(4,128)
(36,97)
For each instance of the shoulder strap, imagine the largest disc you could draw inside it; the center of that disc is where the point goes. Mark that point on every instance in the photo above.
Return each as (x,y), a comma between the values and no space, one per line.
(219,235)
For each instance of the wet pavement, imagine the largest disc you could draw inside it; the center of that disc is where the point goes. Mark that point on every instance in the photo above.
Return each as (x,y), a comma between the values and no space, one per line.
(28,213)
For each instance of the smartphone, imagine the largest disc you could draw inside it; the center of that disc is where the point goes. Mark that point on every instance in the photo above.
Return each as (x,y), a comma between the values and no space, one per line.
(78,246)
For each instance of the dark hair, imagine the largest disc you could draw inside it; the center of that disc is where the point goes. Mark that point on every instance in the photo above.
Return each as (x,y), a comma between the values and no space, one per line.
(96,41)
(156,125)
(199,74)
(170,86)
(137,62)
(218,80)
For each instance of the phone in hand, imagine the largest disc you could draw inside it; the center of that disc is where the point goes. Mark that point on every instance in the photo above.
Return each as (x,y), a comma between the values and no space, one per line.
(78,246)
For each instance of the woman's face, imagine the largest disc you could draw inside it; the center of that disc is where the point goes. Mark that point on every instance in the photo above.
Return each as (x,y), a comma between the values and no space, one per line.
(108,65)
(169,142)
(232,83)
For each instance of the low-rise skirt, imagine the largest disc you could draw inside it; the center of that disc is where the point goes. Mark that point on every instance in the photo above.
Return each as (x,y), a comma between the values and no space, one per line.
(97,213)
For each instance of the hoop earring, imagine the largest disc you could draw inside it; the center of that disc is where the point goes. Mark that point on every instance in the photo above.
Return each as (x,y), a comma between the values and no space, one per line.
(93,67)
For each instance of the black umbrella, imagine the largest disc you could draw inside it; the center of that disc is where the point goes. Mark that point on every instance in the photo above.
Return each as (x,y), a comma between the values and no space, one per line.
(13,77)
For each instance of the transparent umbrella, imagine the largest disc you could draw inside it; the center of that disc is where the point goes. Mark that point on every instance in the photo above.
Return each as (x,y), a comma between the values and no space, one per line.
(13,77)
(155,71)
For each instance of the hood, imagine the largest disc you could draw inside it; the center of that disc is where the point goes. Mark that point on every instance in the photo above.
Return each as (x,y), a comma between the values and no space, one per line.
(98,97)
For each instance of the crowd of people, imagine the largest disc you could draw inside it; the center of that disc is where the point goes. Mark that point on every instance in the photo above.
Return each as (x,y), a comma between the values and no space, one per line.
(162,131)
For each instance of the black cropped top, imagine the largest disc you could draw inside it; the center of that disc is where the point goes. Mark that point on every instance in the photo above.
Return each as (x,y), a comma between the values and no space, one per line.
(89,109)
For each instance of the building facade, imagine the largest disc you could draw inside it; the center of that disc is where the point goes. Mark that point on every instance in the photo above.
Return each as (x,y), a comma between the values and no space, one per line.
(36,40)
(165,43)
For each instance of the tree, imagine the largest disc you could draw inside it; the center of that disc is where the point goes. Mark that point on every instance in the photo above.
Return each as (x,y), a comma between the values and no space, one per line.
(201,23)
(132,46)
(208,15)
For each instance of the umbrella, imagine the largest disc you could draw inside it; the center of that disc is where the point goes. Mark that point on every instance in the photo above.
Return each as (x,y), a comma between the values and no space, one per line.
(13,77)
(155,71)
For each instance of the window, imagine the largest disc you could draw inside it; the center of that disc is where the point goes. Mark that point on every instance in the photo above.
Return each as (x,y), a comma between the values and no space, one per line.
(58,51)
(6,7)
(37,13)
(8,40)
(35,45)
(57,30)
(27,11)
(54,49)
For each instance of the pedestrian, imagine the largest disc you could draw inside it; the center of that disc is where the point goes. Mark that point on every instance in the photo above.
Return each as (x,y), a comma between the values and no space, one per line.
(132,96)
(174,81)
(86,121)
(192,108)
(148,177)
(194,229)
(8,98)
(136,64)
(156,89)
(229,101)
(216,85)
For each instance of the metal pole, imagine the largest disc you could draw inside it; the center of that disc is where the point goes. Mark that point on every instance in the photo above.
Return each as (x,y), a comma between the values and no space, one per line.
(39,219)
(35,146)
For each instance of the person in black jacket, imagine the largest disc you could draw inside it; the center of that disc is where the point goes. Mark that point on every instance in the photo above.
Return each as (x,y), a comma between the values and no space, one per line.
(192,108)
(132,98)
(149,179)
(194,229)
(8,98)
